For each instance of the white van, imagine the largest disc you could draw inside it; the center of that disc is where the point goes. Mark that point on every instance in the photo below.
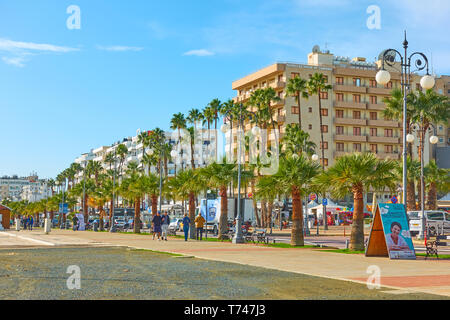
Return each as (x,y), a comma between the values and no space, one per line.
(436,219)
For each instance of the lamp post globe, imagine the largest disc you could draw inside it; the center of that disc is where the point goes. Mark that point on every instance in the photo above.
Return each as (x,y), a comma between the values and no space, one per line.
(434,139)
(315,157)
(150,152)
(427,82)
(383,77)
(173,153)
(410,138)
(256,131)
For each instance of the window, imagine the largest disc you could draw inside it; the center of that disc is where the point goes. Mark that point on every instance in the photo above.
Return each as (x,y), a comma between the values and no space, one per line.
(280,94)
(324,145)
(324,95)
(357,98)
(373,132)
(356,114)
(339,113)
(339,146)
(294,75)
(374,148)
(339,96)
(310,76)
(310,109)
(324,128)
(357,82)
(357,147)
(373,100)
(356,131)
(310,127)
(388,149)
(373,83)
(324,161)
(339,80)
(324,112)
(294,110)
(418,88)
(263,84)
(373,116)
(388,85)
(280,77)
(339,130)
(388,133)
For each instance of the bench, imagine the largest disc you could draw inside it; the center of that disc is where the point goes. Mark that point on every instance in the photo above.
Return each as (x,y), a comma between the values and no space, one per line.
(434,244)
(260,235)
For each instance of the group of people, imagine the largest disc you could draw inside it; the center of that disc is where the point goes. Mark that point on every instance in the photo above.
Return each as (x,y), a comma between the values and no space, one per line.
(161,226)
(27,223)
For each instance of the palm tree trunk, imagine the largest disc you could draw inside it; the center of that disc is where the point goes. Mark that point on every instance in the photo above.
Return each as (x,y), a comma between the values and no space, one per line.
(223,223)
(102,213)
(410,196)
(269,216)
(357,236)
(324,215)
(192,215)
(154,204)
(297,218)
(137,215)
(431,203)
(263,213)
(255,205)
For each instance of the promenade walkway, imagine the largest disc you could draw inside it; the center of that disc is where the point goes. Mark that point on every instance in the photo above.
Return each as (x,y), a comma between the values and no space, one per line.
(430,276)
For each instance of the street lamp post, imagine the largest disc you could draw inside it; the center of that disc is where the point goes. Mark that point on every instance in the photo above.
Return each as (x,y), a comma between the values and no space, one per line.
(112,227)
(433,140)
(427,82)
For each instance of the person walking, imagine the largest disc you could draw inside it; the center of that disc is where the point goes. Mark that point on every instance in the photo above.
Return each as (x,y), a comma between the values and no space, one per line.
(24,222)
(199,223)
(186,223)
(75,223)
(157,225)
(30,223)
(165,225)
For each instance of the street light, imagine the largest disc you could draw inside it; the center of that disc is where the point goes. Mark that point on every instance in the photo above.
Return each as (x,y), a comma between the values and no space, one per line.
(427,82)
(433,140)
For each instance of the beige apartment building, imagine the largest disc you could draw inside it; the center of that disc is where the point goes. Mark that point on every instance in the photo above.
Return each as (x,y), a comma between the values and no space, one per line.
(351,110)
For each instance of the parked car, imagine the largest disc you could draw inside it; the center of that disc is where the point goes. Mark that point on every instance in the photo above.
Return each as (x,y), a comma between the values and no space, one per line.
(437,220)
(176,224)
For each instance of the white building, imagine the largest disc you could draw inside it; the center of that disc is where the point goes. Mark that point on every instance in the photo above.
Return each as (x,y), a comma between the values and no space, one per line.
(21,188)
(36,191)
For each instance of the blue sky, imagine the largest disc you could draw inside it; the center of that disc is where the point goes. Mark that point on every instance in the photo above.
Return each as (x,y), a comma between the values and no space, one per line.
(133,64)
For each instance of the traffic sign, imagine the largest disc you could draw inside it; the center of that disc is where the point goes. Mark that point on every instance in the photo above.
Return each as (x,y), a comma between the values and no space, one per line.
(63,208)
(394,199)
(312,197)
(324,201)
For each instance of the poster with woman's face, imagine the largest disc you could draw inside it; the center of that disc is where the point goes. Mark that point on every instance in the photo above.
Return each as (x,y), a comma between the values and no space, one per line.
(396,231)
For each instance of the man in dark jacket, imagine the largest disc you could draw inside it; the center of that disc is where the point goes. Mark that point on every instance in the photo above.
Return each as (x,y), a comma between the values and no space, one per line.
(75,223)
(157,226)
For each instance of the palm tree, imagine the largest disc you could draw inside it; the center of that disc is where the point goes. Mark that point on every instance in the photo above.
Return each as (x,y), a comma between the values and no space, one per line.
(437,180)
(144,138)
(208,118)
(318,85)
(218,176)
(298,88)
(358,173)
(294,177)
(297,141)
(178,122)
(121,152)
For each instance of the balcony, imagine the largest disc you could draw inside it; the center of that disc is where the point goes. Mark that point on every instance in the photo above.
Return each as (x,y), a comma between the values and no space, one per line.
(352,138)
(278,84)
(98,159)
(278,103)
(377,106)
(383,123)
(350,121)
(384,139)
(347,88)
(392,156)
(384,91)
(350,105)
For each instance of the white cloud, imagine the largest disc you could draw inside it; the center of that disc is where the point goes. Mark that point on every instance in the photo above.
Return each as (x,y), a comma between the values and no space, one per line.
(10,45)
(15,61)
(199,53)
(20,50)
(120,48)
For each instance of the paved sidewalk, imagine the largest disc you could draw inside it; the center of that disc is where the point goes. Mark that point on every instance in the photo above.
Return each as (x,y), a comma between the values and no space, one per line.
(430,276)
